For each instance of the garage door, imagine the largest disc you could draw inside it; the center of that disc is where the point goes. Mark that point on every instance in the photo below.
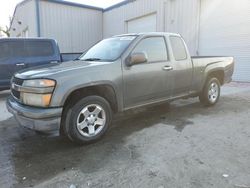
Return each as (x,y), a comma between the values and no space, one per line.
(225,30)
(142,24)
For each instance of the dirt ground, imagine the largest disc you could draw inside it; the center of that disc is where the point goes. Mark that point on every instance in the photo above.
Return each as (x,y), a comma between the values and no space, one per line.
(181,145)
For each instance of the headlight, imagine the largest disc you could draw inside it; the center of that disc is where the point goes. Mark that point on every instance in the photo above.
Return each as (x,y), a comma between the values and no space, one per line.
(39,83)
(33,99)
(37,92)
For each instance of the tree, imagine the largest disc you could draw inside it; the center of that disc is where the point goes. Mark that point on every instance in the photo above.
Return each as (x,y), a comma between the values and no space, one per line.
(5,30)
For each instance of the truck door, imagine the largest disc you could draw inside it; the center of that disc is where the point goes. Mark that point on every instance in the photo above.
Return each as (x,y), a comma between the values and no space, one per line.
(150,81)
(182,66)
(11,60)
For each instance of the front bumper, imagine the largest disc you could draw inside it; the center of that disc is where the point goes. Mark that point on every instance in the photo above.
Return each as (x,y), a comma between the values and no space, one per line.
(39,119)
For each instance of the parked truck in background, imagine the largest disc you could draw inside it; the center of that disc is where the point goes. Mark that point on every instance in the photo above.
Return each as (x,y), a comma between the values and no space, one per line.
(20,53)
(117,74)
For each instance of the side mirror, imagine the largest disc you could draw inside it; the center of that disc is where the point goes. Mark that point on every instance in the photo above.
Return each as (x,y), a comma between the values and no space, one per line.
(136,58)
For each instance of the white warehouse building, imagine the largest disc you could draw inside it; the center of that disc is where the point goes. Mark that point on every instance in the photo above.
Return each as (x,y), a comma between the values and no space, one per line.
(210,27)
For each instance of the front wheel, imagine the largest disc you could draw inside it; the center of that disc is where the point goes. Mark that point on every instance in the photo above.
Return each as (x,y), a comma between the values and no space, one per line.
(211,92)
(88,119)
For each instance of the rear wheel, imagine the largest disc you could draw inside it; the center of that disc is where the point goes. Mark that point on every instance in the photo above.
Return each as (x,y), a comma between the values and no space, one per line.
(211,92)
(88,119)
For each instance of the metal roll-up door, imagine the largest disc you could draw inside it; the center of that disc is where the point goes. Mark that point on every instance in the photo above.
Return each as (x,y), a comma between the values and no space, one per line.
(225,30)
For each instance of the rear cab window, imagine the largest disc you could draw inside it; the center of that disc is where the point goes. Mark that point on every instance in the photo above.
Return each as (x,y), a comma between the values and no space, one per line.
(25,49)
(154,48)
(179,49)
(12,49)
(39,48)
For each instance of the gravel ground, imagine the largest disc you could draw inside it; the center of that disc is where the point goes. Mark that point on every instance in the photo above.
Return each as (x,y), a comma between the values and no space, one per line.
(179,145)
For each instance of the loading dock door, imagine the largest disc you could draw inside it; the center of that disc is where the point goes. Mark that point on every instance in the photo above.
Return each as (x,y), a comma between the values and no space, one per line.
(224,30)
(142,24)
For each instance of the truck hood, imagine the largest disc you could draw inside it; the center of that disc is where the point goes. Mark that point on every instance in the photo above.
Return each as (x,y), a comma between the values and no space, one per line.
(52,69)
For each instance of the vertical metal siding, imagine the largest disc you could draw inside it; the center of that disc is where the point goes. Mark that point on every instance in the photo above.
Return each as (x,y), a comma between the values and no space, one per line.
(181,17)
(178,16)
(74,28)
(26,13)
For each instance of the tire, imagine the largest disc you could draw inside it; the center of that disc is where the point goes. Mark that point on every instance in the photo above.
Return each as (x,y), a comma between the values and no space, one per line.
(87,120)
(211,92)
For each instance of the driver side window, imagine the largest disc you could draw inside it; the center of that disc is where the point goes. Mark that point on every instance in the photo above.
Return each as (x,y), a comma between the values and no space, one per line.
(154,48)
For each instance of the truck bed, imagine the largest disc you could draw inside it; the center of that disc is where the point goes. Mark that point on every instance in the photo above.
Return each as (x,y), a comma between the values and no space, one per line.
(204,61)
(202,64)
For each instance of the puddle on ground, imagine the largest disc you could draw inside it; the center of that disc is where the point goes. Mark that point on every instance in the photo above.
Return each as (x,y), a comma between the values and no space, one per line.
(179,124)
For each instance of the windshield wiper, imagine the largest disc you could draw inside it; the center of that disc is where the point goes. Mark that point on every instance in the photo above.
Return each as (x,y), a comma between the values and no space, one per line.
(91,59)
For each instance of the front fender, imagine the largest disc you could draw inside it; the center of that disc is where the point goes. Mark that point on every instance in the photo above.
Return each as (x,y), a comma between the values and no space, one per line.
(61,94)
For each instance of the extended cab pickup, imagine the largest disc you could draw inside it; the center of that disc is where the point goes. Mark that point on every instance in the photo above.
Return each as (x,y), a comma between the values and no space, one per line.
(21,53)
(119,73)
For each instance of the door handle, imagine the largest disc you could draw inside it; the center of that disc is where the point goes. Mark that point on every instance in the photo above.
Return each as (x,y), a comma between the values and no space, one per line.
(20,64)
(167,68)
(54,62)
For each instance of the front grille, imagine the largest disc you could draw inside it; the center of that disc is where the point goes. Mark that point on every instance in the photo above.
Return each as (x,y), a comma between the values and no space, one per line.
(19,82)
(15,93)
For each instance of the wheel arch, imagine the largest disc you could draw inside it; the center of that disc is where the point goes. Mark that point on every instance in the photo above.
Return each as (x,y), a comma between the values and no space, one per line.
(217,72)
(105,90)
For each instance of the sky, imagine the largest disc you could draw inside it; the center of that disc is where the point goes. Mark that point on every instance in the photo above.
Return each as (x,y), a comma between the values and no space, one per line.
(7,7)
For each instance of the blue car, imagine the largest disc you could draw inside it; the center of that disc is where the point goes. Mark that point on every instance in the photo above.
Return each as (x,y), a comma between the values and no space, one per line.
(19,53)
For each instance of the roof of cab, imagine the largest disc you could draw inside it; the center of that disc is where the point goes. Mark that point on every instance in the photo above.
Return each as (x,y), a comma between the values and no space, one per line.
(18,39)
(149,34)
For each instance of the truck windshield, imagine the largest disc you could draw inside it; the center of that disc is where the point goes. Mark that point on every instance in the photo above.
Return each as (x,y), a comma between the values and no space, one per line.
(108,49)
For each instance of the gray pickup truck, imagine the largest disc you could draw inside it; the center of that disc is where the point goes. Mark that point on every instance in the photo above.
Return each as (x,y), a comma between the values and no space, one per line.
(117,74)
